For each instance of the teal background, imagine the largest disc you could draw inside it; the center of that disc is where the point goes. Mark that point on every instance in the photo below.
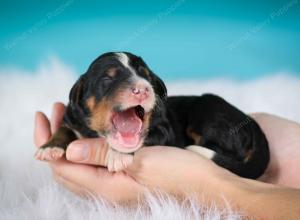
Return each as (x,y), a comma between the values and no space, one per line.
(178,39)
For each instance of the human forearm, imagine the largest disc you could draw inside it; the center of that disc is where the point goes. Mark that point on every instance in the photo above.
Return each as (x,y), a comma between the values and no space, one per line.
(257,200)
(272,202)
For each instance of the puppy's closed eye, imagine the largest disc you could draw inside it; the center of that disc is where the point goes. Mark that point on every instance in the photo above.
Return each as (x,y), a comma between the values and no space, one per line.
(107,78)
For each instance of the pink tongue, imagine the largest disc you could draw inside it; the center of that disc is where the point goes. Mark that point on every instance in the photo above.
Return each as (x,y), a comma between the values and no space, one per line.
(127,123)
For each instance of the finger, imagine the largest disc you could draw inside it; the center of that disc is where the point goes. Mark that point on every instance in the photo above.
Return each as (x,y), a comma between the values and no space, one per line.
(115,187)
(88,151)
(83,175)
(75,188)
(41,129)
(57,116)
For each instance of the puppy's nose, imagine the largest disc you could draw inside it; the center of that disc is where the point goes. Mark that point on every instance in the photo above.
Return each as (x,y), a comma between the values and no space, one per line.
(140,92)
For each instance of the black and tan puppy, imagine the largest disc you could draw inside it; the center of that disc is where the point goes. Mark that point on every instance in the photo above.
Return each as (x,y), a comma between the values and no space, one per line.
(121,99)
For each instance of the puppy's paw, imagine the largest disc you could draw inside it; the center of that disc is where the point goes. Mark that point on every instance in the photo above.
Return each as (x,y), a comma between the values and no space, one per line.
(116,161)
(49,153)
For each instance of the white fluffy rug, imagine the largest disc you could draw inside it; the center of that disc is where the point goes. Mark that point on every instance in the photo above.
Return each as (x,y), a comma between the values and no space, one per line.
(26,188)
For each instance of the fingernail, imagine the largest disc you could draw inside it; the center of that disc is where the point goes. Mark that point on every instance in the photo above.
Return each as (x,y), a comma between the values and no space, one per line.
(77,152)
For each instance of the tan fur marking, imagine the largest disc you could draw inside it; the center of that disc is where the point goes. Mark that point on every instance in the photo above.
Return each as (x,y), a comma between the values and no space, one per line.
(100,114)
(196,137)
(111,72)
(249,154)
(146,121)
(91,102)
(146,71)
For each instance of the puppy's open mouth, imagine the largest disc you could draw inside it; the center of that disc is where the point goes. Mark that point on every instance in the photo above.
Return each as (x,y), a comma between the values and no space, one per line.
(128,127)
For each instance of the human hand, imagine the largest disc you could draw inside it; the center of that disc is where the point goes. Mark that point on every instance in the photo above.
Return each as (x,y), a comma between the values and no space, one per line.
(169,169)
(284,142)
(84,179)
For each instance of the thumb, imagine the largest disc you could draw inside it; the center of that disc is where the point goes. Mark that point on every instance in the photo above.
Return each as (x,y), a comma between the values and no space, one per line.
(88,151)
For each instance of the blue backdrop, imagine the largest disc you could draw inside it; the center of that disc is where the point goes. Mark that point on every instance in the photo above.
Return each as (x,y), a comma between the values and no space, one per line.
(177,38)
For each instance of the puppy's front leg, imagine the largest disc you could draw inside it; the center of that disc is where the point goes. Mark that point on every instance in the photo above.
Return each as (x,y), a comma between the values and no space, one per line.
(117,161)
(57,145)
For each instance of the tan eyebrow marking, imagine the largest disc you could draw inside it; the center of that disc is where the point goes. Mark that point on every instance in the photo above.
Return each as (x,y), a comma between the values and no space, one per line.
(111,72)
(145,70)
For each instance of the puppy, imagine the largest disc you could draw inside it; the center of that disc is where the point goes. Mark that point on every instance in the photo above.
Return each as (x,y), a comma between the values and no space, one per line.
(120,99)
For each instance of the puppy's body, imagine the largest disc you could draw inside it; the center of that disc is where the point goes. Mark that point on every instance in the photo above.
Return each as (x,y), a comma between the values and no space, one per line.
(235,139)
(122,100)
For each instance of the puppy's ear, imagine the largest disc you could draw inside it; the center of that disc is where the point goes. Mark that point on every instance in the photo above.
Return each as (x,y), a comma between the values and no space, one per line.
(159,86)
(76,93)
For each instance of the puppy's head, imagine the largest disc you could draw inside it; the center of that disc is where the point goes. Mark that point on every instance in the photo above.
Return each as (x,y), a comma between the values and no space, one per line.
(118,95)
